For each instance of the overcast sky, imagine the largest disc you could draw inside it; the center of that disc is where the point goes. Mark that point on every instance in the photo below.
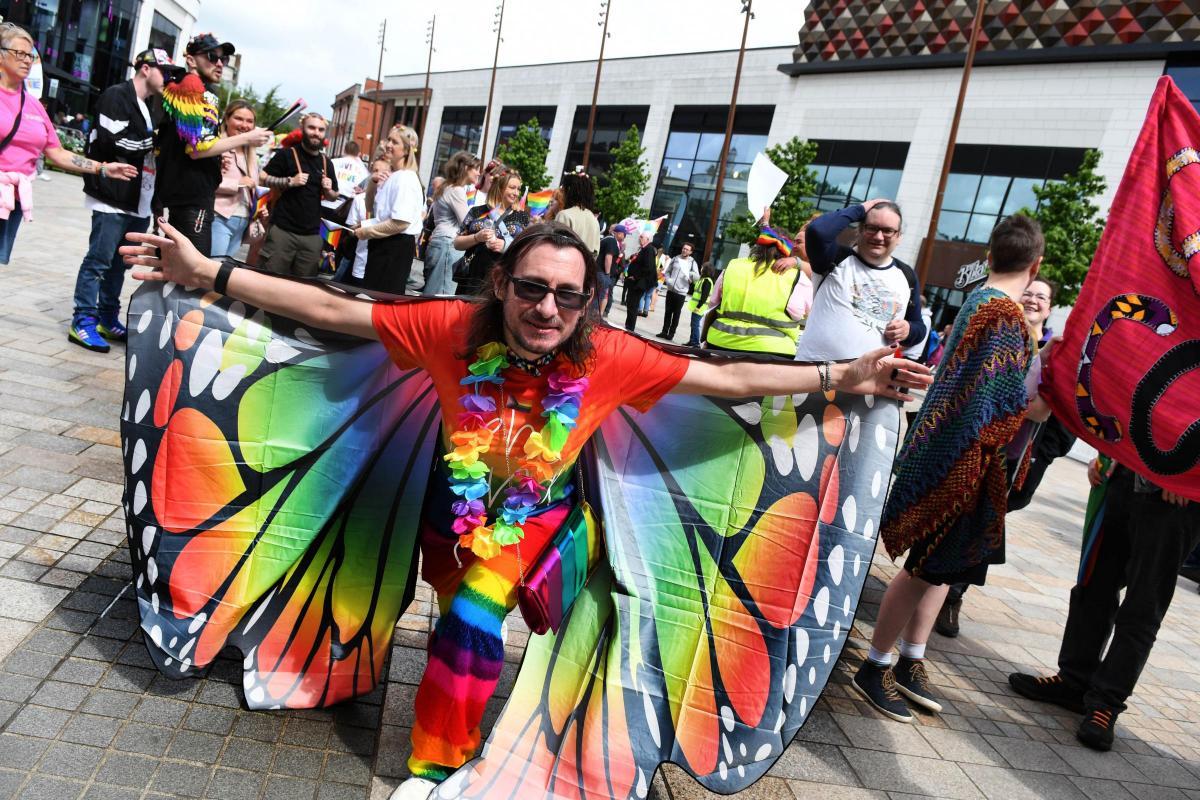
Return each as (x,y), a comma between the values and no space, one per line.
(315,49)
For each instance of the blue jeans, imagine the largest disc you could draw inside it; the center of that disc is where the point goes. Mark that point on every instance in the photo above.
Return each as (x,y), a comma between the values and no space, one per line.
(604,286)
(8,232)
(227,235)
(696,320)
(98,286)
(440,256)
(644,307)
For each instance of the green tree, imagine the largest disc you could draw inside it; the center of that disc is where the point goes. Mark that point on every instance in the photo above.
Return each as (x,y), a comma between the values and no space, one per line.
(527,151)
(267,108)
(619,189)
(1069,221)
(791,209)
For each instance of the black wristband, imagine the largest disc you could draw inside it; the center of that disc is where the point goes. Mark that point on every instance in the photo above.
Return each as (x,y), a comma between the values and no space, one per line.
(221,282)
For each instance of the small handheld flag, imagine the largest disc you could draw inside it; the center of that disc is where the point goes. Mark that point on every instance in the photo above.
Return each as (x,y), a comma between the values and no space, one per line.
(292,111)
(539,202)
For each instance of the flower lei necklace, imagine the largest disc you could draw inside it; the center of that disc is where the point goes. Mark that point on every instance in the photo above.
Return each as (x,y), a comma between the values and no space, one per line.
(478,424)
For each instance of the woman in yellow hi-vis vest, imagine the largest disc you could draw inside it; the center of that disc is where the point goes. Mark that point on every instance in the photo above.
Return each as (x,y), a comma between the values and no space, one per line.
(761,301)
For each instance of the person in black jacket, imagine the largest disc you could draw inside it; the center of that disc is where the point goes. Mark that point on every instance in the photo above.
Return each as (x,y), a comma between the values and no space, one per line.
(126,117)
(643,277)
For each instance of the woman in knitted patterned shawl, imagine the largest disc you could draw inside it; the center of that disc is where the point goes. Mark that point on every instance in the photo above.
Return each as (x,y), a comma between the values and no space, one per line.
(947,502)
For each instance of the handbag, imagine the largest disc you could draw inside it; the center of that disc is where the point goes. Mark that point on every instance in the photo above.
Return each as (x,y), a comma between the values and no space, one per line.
(461,270)
(546,594)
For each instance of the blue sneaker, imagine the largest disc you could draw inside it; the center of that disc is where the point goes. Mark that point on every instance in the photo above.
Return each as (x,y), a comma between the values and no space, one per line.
(110,327)
(83,332)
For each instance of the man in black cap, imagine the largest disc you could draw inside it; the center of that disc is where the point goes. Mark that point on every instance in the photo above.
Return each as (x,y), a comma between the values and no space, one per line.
(126,117)
(189,141)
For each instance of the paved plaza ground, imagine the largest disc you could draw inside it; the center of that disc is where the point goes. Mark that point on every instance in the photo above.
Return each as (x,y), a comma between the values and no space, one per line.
(84,714)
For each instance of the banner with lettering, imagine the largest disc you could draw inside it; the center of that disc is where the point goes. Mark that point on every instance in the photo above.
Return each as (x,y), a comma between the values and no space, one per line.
(1127,374)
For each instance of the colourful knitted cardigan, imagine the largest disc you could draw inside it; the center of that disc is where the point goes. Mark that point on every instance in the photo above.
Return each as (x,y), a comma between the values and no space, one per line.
(950,489)
(194,110)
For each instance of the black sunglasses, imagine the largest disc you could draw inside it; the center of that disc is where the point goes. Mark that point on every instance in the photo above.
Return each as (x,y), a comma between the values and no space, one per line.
(217,55)
(533,292)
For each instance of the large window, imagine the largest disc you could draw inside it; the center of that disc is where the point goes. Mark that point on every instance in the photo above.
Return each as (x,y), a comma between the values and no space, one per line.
(850,172)
(612,123)
(513,117)
(84,45)
(687,180)
(1184,69)
(989,182)
(164,34)
(462,129)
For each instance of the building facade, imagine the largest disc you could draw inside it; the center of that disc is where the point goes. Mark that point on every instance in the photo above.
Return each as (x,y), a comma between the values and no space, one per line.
(355,117)
(88,46)
(873,84)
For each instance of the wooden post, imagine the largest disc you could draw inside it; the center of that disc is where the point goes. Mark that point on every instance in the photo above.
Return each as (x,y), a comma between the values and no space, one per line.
(737,79)
(487,116)
(931,235)
(587,144)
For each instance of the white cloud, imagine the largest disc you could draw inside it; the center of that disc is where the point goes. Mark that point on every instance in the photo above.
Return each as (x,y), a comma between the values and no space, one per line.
(315,50)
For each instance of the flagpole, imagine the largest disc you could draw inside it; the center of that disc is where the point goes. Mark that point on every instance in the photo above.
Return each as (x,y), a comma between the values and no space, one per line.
(375,115)
(927,246)
(605,9)
(737,79)
(487,117)
(428,68)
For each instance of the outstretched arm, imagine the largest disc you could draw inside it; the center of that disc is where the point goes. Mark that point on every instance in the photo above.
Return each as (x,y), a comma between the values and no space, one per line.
(878,372)
(181,262)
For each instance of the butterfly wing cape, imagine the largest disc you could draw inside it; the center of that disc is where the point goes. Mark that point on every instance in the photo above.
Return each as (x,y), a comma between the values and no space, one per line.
(274,482)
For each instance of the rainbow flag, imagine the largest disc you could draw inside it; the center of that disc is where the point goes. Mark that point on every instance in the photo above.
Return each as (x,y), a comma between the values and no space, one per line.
(538,202)
(330,235)
(260,204)
(472,192)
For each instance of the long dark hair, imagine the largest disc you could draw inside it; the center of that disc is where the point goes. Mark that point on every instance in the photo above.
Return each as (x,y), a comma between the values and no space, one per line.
(487,323)
(577,191)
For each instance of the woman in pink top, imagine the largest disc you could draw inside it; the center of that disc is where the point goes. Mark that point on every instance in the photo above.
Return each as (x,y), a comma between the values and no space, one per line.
(239,175)
(26,133)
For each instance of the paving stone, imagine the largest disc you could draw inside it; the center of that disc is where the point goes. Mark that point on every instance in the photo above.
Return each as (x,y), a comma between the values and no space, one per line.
(341,791)
(347,768)
(877,734)
(38,721)
(123,769)
(281,788)
(16,688)
(10,781)
(22,570)
(209,719)
(196,746)
(44,787)
(79,670)
(1098,789)
(1000,783)
(68,760)
(352,740)
(1164,771)
(137,737)
(963,747)
(54,642)
(159,710)
(91,729)
(31,663)
(266,727)
(125,678)
(99,792)
(892,772)
(20,752)
(307,733)
(97,649)
(298,761)
(110,703)
(235,784)
(1090,764)
(67,696)
(177,778)
(67,620)
(1029,755)
(244,753)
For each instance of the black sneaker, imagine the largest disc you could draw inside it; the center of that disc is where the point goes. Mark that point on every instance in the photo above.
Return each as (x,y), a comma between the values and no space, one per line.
(947,618)
(912,681)
(1047,689)
(877,685)
(1097,729)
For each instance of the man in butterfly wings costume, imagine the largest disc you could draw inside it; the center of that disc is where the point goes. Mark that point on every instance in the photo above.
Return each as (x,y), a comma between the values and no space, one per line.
(282,466)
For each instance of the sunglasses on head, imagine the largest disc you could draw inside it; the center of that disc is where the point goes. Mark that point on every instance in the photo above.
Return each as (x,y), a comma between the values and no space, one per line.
(534,291)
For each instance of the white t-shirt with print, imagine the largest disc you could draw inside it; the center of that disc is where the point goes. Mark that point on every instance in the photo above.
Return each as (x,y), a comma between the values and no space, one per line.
(401,197)
(851,307)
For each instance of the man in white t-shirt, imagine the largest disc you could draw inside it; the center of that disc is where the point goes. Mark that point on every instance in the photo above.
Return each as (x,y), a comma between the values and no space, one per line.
(124,133)
(864,298)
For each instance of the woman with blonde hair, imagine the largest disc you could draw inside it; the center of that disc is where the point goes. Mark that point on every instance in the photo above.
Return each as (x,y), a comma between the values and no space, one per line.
(449,211)
(488,230)
(26,133)
(398,209)
(235,201)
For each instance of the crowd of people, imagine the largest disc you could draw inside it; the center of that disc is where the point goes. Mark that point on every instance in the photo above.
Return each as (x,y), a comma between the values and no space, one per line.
(528,295)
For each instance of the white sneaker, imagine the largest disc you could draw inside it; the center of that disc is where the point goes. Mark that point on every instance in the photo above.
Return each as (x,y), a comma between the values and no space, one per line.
(414,789)
(43,177)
